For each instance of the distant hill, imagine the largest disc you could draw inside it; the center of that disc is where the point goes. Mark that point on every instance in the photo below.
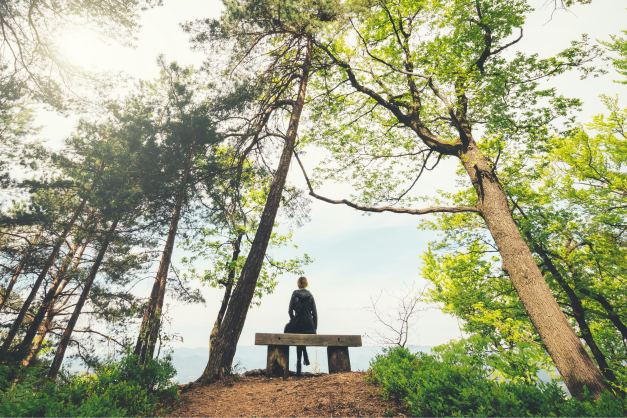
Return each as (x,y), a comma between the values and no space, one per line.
(190,362)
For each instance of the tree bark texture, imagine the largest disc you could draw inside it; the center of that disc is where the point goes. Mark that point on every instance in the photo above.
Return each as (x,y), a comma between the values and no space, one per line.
(17,272)
(42,275)
(228,286)
(151,322)
(568,353)
(221,356)
(67,334)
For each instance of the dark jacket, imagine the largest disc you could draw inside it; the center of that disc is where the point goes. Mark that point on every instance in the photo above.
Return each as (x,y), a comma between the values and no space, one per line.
(303,314)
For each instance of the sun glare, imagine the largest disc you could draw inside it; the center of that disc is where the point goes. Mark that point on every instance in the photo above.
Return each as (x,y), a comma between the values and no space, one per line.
(84,48)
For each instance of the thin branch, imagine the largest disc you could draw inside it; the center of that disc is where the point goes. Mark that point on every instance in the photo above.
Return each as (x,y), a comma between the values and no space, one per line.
(99,333)
(432,209)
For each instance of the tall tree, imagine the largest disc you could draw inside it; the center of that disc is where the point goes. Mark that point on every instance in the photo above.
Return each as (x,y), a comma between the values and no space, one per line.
(187,133)
(234,206)
(124,191)
(274,38)
(40,278)
(426,80)
(569,204)
(114,156)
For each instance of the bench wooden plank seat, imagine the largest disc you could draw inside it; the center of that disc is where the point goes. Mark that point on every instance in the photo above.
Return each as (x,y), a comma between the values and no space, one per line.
(277,364)
(311,340)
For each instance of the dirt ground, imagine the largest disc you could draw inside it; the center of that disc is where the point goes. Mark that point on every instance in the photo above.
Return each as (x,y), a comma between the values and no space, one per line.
(341,394)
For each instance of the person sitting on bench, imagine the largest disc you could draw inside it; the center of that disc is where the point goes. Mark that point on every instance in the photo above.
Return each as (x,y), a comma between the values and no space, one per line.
(303,318)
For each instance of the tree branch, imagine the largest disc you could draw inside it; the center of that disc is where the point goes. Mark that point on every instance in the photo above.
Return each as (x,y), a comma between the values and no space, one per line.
(432,209)
(431,140)
(91,331)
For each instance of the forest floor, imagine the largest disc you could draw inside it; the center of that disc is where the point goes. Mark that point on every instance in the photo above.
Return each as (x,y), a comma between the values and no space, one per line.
(322,395)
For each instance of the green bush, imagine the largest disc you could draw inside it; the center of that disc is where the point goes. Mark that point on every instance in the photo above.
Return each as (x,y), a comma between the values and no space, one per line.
(118,388)
(448,385)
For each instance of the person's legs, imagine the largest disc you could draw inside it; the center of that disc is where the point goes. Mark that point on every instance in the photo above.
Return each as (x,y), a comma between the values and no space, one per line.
(299,353)
(306,359)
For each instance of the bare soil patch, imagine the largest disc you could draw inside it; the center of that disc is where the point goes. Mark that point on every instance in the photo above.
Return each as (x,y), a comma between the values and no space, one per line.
(328,395)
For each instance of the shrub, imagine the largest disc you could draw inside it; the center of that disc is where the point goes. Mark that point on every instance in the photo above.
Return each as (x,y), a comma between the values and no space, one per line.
(447,385)
(118,388)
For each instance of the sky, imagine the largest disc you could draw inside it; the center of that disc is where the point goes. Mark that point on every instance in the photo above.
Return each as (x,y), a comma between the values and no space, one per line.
(356,256)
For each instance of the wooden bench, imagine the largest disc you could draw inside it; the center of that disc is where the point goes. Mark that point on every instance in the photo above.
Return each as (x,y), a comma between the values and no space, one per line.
(278,361)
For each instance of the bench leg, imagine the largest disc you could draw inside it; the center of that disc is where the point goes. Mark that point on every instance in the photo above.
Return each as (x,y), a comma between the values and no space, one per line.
(339,361)
(278,361)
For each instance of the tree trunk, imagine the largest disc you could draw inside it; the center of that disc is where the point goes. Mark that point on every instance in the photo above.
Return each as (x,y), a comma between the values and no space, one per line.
(46,303)
(18,271)
(39,339)
(67,334)
(609,309)
(227,292)
(42,275)
(50,313)
(568,353)
(579,312)
(151,322)
(221,356)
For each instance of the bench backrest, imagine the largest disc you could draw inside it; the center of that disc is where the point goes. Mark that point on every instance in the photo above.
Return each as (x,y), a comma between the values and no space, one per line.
(309,340)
